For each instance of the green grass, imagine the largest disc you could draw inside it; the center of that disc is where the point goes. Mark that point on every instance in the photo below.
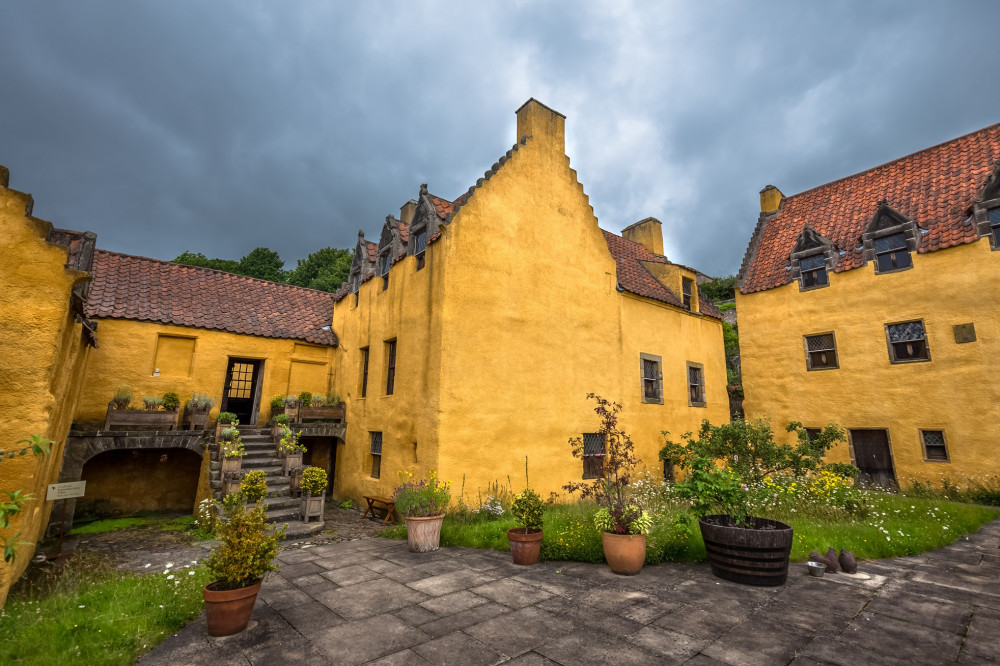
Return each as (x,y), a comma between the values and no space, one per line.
(895,526)
(95,615)
(114,524)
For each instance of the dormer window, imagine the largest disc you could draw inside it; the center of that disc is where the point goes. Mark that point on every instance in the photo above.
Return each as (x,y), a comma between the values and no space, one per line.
(993,214)
(384,261)
(687,286)
(892,253)
(813,269)
(420,247)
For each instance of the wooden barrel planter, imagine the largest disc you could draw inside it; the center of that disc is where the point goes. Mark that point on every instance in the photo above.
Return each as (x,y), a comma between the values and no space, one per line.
(756,555)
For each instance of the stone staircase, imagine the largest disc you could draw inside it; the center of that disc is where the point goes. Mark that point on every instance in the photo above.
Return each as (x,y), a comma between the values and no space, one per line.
(282,507)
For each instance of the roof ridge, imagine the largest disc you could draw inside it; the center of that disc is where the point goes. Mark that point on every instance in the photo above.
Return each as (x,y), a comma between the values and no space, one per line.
(936,146)
(207,269)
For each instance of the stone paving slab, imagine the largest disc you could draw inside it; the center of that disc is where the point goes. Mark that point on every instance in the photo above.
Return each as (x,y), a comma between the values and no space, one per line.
(371,601)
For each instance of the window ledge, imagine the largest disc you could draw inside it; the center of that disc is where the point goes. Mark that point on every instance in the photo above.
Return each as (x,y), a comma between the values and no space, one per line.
(697,404)
(652,401)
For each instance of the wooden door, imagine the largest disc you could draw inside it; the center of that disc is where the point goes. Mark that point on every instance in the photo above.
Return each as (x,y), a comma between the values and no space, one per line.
(873,457)
(239,395)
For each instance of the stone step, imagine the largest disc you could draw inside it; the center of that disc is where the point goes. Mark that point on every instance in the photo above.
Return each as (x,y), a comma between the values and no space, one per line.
(269,468)
(300,530)
(263,444)
(261,458)
(283,513)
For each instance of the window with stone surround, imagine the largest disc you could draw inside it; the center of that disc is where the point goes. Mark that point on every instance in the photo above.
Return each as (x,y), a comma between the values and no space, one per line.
(696,384)
(935,447)
(650,367)
(821,351)
(813,272)
(376,454)
(892,253)
(907,342)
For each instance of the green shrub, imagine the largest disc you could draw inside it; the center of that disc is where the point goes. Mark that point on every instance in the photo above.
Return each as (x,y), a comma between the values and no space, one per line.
(152,402)
(247,553)
(305,398)
(226,418)
(289,443)
(254,485)
(527,509)
(278,401)
(421,498)
(123,397)
(313,480)
(171,401)
(281,419)
(200,402)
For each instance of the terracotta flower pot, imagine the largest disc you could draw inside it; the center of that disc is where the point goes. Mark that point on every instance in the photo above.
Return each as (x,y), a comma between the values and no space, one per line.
(424,534)
(525,546)
(625,553)
(227,612)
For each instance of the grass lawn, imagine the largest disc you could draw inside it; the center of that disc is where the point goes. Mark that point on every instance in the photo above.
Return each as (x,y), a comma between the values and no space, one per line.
(894,526)
(92,614)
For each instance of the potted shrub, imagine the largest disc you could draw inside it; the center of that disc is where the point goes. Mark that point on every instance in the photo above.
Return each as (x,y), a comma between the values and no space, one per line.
(313,498)
(278,427)
(254,485)
(223,420)
(171,401)
(231,449)
(196,411)
(422,503)
(277,405)
(526,541)
(623,525)
(723,469)
(242,560)
(290,450)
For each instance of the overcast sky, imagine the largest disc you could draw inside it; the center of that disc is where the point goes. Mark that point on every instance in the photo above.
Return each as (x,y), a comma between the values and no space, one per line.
(221,126)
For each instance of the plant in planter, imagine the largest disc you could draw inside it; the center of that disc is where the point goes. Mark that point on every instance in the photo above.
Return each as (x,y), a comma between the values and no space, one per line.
(305,398)
(171,401)
(254,485)
(314,482)
(223,421)
(240,563)
(723,469)
(278,404)
(290,450)
(623,525)
(196,410)
(123,397)
(422,503)
(152,402)
(526,541)
(231,449)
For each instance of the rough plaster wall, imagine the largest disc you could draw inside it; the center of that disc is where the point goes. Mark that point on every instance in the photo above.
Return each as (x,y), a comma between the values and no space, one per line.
(123,482)
(955,392)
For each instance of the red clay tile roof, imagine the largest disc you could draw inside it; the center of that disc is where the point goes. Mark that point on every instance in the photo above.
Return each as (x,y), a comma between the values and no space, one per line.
(131,287)
(636,278)
(442,206)
(404,231)
(934,187)
(372,251)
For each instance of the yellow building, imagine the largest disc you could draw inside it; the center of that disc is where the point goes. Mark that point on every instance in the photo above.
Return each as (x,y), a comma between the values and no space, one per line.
(871,301)
(471,333)
(45,339)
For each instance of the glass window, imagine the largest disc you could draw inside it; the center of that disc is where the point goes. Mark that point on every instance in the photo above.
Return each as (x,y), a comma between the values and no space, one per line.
(593,454)
(376,453)
(364,371)
(384,261)
(419,247)
(934,445)
(652,378)
(390,375)
(891,253)
(907,342)
(687,286)
(994,215)
(821,352)
(696,384)
(813,271)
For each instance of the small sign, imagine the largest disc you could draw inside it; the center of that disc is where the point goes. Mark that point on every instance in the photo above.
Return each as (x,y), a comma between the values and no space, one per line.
(58,491)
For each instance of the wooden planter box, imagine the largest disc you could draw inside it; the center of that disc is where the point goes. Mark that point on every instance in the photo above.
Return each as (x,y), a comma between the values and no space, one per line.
(752,556)
(219,427)
(295,482)
(195,420)
(233,464)
(312,507)
(231,485)
(139,418)
(292,462)
(302,414)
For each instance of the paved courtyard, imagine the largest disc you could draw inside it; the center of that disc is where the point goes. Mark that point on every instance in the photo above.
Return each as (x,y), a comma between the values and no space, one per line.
(372,601)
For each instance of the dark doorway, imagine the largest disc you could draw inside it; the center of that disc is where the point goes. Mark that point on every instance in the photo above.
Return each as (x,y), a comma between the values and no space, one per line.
(322,452)
(123,481)
(873,457)
(239,395)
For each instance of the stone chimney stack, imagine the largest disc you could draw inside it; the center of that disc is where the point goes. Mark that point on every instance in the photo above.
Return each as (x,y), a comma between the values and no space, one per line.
(648,233)
(407,210)
(542,124)
(770,198)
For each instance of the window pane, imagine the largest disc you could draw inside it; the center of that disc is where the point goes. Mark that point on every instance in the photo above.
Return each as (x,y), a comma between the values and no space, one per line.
(905,351)
(994,215)
(820,342)
(911,330)
(420,242)
(376,467)
(593,452)
(813,262)
(934,445)
(376,440)
(890,243)
(816,278)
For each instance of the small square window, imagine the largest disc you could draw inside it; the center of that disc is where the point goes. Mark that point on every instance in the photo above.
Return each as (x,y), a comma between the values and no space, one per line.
(994,217)
(891,253)
(813,433)
(390,373)
(652,378)
(696,384)
(593,455)
(813,270)
(907,342)
(821,352)
(376,453)
(687,286)
(935,447)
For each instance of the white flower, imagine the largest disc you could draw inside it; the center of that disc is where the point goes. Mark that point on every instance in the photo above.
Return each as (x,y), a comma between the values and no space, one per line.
(81,606)
(170,577)
(169,564)
(148,565)
(190,573)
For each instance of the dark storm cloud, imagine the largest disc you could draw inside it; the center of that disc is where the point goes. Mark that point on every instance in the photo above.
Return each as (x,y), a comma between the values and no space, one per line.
(217,127)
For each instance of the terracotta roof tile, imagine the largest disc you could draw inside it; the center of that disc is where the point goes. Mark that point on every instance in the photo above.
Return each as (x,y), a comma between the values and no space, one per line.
(934,186)
(442,206)
(636,278)
(372,250)
(143,289)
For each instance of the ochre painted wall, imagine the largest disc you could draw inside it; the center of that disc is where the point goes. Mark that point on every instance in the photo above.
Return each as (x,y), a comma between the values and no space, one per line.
(125,481)
(42,356)
(514,319)
(131,351)
(955,392)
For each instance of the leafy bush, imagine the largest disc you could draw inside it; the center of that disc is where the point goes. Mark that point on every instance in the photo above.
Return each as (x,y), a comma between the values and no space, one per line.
(247,552)
(289,443)
(205,519)
(123,397)
(421,498)
(719,289)
(314,480)
(281,419)
(278,401)
(226,418)
(636,520)
(305,398)
(527,509)
(152,402)
(254,485)
(231,442)
(171,401)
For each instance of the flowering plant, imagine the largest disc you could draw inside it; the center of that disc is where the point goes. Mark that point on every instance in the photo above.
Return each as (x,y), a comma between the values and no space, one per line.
(231,442)
(618,465)
(289,444)
(423,498)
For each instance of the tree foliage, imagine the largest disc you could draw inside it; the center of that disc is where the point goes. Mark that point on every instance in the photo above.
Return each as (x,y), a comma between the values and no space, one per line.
(719,289)
(325,269)
(263,263)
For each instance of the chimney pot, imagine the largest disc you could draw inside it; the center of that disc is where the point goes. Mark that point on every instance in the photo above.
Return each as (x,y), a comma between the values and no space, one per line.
(770,199)
(648,233)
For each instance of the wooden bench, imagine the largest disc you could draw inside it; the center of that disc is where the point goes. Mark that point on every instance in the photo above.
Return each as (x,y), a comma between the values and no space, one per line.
(389,505)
